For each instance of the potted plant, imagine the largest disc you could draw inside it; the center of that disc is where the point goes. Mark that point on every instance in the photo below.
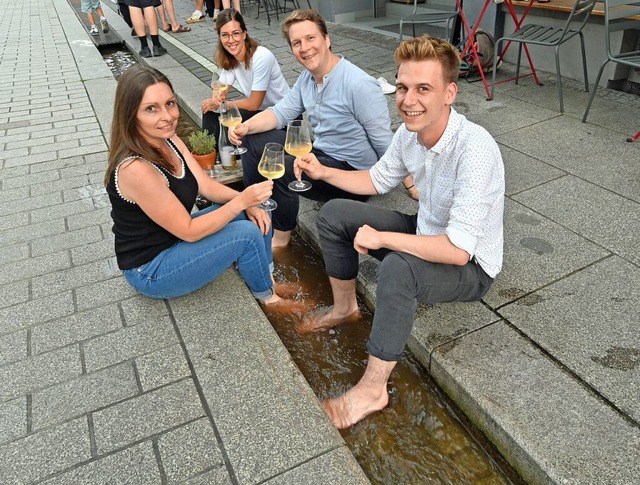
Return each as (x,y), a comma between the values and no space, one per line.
(203,148)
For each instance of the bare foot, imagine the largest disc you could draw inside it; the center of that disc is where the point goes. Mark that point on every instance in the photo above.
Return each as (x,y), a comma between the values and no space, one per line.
(325,320)
(280,239)
(287,290)
(276,304)
(353,406)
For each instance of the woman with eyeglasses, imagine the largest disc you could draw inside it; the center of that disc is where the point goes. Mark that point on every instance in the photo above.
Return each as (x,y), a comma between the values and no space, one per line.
(253,67)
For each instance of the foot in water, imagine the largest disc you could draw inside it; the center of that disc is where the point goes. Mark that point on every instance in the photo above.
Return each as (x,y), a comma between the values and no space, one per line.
(328,319)
(353,406)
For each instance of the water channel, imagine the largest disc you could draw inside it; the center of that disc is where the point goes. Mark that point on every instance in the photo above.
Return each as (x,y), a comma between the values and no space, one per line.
(421,437)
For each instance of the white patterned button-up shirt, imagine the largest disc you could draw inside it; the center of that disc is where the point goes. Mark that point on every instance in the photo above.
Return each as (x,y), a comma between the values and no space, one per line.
(461,185)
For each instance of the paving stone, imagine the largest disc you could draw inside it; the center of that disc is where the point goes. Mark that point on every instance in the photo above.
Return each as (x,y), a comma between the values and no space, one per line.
(61,210)
(61,163)
(75,327)
(13,347)
(589,322)
(67,240)
(135,465)
(33,267)
(83,394)
(31,203)
(146,415)
(140,309)
(33,373)
(35,311)
(41,454)
(606,218)
(162,367)
(103,293)
(12,253)
(89,253)
(74,277)
(14,293)
(22,231)
(9,195)
(530,406)
(78,221)
(13,420)
(522,171)
(536,253)
(128,343)
(217,476)
(189,450)
(337,466)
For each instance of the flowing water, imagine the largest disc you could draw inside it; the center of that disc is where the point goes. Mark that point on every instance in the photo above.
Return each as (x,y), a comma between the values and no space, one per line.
(420,437)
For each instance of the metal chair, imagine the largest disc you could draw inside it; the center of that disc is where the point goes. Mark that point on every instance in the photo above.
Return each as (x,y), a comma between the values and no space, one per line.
(616,18)
(428,18)
(549,37)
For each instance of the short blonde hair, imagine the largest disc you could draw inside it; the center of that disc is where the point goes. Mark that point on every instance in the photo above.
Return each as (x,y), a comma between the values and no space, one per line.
(300,16)
(425,48)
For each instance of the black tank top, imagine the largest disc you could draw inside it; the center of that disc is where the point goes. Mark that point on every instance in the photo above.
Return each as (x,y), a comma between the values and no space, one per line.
(137,238)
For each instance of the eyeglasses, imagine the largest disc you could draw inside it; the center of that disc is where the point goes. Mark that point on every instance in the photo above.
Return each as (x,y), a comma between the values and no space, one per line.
(236,34)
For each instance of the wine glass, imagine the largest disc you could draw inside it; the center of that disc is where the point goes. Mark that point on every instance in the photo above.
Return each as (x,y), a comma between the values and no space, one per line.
(230,117)
(219,88)
(298,143)
(271,166)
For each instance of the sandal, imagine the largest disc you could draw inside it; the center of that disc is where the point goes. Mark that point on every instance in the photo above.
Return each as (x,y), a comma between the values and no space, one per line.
(181,28)
(168,29)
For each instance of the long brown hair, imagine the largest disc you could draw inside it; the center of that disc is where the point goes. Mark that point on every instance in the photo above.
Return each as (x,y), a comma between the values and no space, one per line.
(223,59)
(125,137)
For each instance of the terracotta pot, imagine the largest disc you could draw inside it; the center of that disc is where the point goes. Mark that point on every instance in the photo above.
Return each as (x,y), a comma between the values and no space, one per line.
(206,161)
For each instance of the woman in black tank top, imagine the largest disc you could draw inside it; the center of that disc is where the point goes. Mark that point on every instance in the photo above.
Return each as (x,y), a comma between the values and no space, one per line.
(152,181)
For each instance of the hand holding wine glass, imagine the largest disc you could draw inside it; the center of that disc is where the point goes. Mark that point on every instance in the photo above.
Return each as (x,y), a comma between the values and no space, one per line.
(271,166)
(298,143)
(220,89)
(230,118)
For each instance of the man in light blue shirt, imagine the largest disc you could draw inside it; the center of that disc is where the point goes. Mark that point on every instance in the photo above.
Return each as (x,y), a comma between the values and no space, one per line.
(345,108)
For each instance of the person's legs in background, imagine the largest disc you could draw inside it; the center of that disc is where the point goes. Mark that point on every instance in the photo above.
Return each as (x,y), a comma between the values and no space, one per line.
(213,8)
(227,4)
(197,15)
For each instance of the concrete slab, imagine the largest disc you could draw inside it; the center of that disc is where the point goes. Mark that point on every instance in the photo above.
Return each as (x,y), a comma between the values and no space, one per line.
(544,421)
(266,414)
(606,218)
(588,322)
(598,155)
(536,253)
(522,171)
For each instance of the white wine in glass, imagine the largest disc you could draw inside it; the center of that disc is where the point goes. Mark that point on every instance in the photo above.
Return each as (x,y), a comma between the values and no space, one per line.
(271,166)
(298,143)
(219,88)
(230,117)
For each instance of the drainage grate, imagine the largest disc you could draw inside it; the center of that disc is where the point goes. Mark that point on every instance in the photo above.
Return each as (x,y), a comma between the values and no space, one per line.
(625,86)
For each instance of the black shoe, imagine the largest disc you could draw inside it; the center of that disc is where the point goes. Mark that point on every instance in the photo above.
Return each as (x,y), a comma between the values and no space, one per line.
(158,51)
(145,52)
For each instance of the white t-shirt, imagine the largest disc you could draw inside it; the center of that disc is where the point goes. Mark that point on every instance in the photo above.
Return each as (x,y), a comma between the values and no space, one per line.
(264,75)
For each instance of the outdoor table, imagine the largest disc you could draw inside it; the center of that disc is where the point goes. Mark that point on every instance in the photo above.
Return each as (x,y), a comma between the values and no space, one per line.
(470,48)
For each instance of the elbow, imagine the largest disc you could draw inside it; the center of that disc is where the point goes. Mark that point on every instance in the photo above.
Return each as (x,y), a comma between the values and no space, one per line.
(461,258)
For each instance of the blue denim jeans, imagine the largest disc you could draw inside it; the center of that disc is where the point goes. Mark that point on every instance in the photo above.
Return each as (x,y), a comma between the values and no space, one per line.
(188,266)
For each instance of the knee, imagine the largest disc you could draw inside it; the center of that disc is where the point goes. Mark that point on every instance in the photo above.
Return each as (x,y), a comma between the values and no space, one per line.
(395,273)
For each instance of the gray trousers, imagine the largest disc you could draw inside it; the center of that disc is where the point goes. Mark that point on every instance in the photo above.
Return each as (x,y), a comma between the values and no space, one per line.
(403,280)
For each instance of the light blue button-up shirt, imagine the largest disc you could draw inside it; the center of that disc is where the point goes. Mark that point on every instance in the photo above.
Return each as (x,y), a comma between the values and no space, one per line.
(348,114)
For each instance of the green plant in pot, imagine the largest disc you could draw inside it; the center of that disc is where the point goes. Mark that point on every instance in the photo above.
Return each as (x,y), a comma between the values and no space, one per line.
(203,148)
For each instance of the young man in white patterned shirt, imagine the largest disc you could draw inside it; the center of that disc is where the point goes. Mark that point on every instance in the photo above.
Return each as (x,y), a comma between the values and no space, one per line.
(449,251)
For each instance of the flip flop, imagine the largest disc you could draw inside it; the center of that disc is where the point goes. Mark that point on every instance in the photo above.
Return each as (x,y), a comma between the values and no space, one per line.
(168,29)
(181,28)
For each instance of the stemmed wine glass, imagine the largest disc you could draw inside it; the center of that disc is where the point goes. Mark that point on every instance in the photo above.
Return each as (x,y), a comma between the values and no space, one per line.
(298,143)
(219,87)
(230,117)
(271,166)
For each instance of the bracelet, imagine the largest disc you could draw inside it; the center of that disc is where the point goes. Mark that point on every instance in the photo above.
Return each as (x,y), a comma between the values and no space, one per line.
(410,186)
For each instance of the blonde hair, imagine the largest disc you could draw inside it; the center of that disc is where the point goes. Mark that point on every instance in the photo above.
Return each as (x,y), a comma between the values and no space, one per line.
(427,47)
(300,16)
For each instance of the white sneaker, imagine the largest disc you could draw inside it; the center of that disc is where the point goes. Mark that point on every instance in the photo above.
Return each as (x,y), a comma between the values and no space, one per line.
(215,13)
(386,87)
(104,25)
(94,30)
(197,16)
